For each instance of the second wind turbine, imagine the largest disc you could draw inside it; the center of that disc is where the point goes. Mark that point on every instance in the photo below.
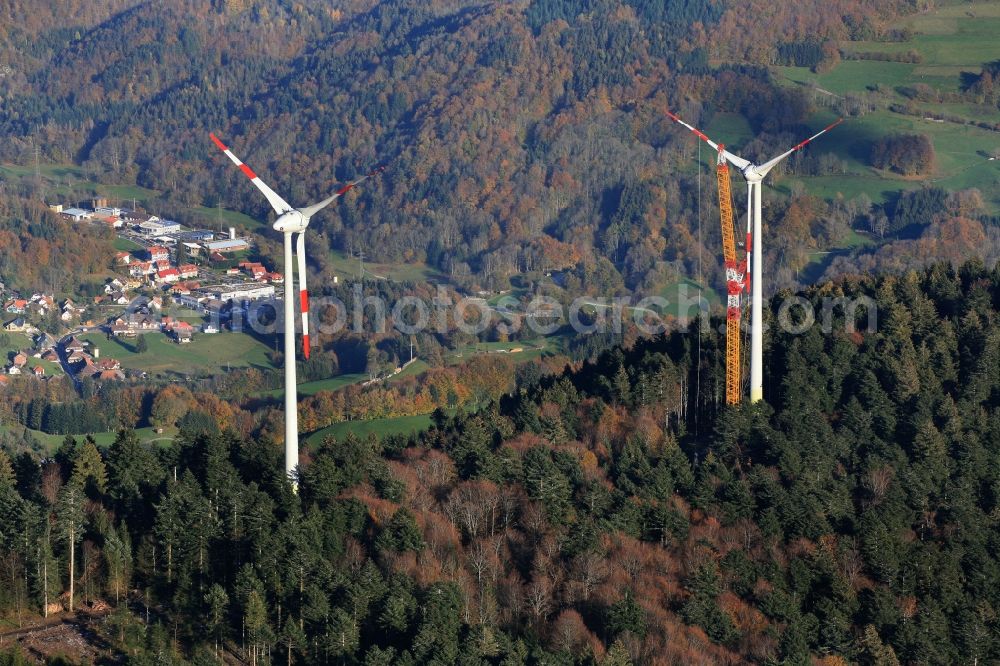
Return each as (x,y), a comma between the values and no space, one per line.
(754,175)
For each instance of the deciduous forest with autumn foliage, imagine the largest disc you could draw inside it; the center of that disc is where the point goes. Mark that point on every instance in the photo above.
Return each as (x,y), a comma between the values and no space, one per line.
(520,137)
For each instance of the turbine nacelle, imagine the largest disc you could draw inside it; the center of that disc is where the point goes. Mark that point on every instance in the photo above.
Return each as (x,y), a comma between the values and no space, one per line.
(291,222)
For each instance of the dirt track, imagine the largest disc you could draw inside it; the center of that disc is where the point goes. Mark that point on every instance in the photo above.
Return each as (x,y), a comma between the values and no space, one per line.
(63,634)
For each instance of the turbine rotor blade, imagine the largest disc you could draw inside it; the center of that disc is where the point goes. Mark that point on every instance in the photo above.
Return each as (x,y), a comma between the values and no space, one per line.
(735,160)
(309,211)
(770,164)
(279,205)
(300,252)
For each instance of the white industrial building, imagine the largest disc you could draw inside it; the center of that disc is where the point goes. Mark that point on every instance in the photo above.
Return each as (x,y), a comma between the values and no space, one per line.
(239,293)
(156,227)
(227,245)
(76,214)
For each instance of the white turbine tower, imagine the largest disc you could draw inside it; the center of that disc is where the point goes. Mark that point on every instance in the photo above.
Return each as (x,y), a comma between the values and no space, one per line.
(754,174)
(291,221)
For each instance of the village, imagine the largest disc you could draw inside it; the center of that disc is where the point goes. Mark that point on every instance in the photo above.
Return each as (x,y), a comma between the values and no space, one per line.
(206,274)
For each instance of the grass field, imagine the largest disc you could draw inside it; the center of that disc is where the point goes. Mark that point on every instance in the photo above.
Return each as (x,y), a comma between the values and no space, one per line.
(52,442)
(312,388)
(64,178)
(125,245)
(20,342)
(381,427)
(17,342)
(951,40)
(205,355)
(733,126)
(213,218)
(349,267)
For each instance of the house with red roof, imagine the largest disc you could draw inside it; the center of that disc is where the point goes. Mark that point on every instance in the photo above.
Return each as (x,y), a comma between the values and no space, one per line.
(168,275)
(16,305)
(180,331)
(158,253)
(140,268)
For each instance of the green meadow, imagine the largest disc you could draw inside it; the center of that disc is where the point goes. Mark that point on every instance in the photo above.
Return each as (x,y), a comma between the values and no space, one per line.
(951,40)
(205,355)
(51,442)
(402,425)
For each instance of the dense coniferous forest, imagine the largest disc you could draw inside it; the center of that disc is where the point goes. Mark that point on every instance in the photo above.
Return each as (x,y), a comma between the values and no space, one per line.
(614,513)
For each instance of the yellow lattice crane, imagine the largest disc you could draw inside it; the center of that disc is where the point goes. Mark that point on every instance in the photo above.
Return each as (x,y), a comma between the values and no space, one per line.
(735,283)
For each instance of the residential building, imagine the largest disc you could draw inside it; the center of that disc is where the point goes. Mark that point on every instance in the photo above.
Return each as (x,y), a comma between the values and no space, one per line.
(189,300)
(213,305)
(134,323)
(16,305)
(141,268)
(187,271)
(158,253)
(79,357)
(18,325)
(110,220)
(44,342)
(180,331)
(89,369)
(113,285)
(168,275)
(39,371)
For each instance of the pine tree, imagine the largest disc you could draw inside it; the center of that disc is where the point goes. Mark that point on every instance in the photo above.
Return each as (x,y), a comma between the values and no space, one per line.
(89,471)
(217,601)
(70,516)
(118,557)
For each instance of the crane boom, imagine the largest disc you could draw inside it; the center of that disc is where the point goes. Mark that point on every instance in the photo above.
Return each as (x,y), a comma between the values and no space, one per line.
(735,276)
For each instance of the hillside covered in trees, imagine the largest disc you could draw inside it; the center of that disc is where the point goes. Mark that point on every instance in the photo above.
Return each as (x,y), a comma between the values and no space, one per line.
(521,137)
(615,513)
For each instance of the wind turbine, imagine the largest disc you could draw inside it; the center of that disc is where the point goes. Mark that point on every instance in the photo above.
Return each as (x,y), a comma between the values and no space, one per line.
(292,221)
(754,174)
